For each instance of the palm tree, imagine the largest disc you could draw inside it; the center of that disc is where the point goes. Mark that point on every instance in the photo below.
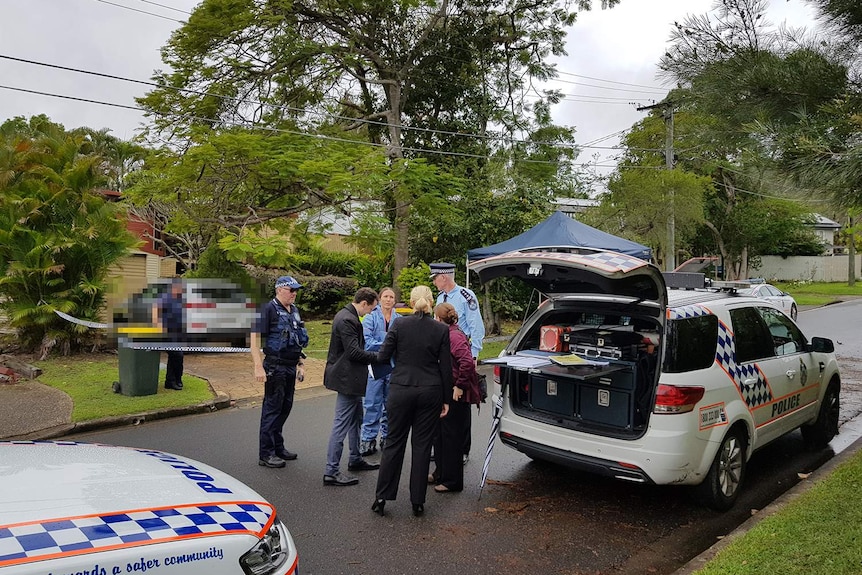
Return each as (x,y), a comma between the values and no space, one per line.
(58,237)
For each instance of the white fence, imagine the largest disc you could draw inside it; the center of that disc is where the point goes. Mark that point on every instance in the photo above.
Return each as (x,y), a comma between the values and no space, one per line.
(806,268)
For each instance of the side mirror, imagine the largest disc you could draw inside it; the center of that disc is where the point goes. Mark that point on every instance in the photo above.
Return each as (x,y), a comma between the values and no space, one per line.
(822,345)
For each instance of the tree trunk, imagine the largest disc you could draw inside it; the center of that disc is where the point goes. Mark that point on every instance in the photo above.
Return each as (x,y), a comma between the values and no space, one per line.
(492,321)
(402,196)
(851,251)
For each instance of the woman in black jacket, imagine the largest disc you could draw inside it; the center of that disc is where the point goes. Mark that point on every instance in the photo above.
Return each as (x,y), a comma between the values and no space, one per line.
(419,395)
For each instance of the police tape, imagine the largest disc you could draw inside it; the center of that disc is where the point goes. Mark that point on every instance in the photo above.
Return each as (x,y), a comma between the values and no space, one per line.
(196,349)
(83,322)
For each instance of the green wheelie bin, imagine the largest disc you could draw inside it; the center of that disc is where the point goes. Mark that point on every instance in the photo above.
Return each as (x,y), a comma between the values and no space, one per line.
(139,369)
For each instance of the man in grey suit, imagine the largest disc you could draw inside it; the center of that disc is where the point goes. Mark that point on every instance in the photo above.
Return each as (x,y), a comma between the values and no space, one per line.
(346,373)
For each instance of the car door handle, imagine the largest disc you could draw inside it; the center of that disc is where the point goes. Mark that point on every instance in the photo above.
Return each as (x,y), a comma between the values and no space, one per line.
(749,382)
(791,373)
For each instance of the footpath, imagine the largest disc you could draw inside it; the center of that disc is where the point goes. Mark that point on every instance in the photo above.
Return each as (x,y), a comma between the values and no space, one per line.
(30,410)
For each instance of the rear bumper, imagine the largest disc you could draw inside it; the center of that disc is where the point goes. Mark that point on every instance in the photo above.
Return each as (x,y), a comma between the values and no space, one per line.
(578,461)
(667,454)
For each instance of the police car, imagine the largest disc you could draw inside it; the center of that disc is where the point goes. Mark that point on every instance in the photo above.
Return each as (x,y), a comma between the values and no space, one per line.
(616,374)
(86,509)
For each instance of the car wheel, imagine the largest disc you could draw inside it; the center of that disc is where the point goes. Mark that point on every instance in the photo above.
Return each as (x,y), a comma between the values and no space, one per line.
(722,484)
(820,433)
(793,312)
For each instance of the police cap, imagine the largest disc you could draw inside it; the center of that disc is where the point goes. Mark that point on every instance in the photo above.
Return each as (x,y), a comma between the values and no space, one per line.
(287,282)
(442,268)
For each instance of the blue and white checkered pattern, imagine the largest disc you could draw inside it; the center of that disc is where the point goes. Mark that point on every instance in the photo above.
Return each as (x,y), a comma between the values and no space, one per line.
(686,311)
(28,542)
(616,261)
(725,356)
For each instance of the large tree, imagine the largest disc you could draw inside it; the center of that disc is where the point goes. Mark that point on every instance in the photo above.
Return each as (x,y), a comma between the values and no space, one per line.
(412,77)
(749,83)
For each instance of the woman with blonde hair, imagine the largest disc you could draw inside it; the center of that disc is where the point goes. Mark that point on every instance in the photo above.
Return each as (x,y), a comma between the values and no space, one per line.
(419,394)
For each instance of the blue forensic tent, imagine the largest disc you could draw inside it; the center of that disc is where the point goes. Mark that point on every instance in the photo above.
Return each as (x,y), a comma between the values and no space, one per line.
(558,231)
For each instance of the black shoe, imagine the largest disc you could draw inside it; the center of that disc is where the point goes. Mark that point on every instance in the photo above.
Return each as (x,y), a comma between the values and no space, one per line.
(418,509)
(377,506)
(363,465)
(367,448)
(287,455)
(174,386)
(339,479)
(272,461)
(465,458)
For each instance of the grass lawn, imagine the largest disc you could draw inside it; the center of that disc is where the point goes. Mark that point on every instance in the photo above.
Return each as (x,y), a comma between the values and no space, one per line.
(819,532)
(318,338)
(87,380)
(817,293)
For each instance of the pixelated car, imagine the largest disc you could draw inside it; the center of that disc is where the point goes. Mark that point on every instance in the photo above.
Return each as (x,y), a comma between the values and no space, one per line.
(617,375)
(69,507)
(214,310)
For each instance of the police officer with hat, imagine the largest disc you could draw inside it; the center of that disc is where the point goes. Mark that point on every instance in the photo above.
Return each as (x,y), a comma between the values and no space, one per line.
(469,316)
(279,323)
(464,301)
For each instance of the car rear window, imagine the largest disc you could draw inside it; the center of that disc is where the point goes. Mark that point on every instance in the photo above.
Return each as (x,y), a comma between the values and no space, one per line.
(219,294)
(690,344)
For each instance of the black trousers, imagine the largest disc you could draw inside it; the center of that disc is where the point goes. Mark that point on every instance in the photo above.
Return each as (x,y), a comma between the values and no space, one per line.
(468,434)
(174,369)
(277,403)
(409,408)
(448,447)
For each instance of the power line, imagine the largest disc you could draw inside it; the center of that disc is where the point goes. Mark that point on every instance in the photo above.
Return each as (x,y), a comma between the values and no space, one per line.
(611,81)
(290,108)
(70,97)
(249,124)
(141,11)
(607,87)
(165,7)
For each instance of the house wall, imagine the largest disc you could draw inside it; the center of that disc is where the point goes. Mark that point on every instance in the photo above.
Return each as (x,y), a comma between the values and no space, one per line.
(830,268)
(132,274)
(336,243)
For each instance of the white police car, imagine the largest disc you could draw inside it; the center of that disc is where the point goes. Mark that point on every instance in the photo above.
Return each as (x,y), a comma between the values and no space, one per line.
(616,374)
(85,509)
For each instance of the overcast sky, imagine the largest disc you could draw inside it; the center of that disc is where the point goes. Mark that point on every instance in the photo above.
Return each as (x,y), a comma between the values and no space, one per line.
(621,45)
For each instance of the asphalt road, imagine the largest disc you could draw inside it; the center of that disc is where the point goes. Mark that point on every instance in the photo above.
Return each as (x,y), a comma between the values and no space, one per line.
(532,517)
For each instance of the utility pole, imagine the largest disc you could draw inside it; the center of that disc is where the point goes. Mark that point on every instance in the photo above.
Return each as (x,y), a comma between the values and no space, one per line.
(667,107)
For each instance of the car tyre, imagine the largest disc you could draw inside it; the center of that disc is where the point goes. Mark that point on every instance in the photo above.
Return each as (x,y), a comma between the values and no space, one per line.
(721,487)
(794,313)
(820,433)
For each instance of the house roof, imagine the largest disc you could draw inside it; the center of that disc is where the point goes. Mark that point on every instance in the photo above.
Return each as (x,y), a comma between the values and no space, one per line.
(824,223)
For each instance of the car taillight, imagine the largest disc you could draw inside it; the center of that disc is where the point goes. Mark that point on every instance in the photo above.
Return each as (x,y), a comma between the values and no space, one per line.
(497,374)
(251,305)
(676,398)
(200,305)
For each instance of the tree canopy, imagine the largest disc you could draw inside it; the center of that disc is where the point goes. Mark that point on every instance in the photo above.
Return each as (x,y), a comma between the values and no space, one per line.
(411,79)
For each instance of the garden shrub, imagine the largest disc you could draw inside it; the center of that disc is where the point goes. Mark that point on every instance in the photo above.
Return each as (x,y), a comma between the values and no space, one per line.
(411,277)
(320,297)
(214,263)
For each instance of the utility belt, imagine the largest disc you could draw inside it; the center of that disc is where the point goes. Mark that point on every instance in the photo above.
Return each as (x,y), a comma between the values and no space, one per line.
(288,358)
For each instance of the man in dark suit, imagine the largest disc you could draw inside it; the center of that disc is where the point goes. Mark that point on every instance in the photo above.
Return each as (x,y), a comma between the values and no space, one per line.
(346,372)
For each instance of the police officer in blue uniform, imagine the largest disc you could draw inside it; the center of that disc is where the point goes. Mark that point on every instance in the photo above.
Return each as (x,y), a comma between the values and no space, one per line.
(469,316)
(169,314)
(285,334)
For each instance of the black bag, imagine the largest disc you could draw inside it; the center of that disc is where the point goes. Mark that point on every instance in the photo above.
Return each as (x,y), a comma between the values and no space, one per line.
(483,387)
